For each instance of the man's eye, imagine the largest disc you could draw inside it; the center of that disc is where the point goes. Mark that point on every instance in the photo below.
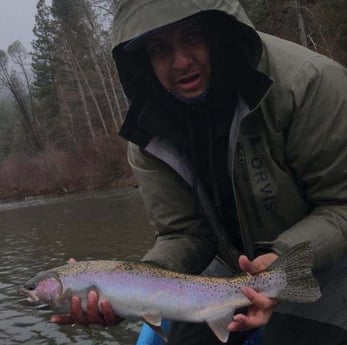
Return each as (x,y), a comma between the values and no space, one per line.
(157,49)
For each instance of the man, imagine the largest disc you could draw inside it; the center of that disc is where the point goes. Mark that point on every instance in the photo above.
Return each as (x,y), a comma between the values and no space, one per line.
(238,141)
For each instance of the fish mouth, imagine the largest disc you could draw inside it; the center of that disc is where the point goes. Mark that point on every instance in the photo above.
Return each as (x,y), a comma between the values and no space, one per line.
(30,297)
(32,300)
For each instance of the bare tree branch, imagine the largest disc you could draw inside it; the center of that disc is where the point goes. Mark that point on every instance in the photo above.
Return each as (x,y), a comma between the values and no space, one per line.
(301,23)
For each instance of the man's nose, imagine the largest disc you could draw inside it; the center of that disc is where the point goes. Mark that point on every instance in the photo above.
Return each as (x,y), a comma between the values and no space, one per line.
(182,57)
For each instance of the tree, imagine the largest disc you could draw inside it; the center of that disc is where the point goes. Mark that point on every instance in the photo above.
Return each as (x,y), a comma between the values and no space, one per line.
(321,25)
(10,81)
(7,127)
(94,34)
(301,23)
(74,64)
(19,56)
(84,58)
(43,62)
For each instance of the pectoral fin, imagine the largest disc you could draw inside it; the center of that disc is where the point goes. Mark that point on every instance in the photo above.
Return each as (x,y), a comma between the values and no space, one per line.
(220,326)
(61,304)
(64,298)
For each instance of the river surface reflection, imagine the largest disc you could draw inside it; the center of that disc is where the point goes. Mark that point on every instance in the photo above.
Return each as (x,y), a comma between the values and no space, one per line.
(39,234)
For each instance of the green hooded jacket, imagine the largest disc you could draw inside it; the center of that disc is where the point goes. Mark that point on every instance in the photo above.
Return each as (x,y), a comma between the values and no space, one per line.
(287,150)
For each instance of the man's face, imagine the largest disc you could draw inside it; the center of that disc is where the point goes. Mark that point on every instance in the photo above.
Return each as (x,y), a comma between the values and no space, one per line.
(180,58)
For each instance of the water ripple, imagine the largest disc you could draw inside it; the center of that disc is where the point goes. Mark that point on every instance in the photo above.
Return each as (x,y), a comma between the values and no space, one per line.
(39,234)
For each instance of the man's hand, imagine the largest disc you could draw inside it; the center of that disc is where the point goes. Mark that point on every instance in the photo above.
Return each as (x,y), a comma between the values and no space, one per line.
(262,307)
(102,315)
(105,316)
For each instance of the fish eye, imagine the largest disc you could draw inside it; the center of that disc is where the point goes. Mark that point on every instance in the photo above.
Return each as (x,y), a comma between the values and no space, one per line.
(30,287)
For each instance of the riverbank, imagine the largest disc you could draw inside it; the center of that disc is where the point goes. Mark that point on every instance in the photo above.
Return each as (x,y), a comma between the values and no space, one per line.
(53,171)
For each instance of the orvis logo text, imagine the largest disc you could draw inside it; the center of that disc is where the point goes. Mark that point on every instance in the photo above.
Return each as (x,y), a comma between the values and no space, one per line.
(262,181)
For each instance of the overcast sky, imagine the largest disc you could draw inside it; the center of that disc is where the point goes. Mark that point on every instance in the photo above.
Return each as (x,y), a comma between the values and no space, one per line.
(17,18)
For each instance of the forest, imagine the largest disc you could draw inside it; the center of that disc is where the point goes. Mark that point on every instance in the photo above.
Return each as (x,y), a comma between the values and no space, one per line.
(61,103)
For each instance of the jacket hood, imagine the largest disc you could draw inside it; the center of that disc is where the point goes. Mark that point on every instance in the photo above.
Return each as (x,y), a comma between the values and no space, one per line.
(134,18)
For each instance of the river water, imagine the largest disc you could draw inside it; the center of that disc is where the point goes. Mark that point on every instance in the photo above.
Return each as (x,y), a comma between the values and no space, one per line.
(39,234)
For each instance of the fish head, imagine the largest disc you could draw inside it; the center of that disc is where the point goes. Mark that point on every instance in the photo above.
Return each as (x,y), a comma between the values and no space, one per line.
(44,288)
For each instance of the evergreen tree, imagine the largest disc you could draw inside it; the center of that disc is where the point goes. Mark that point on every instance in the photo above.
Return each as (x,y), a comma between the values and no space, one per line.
(74,65)
(43,61)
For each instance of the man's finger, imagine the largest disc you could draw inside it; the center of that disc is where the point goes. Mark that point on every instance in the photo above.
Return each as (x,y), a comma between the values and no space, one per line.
(111,319)
(76,311)
(245,323)
(257,299)
(257,265)
(237,325)
(245,264)
(62,319)
(93,314)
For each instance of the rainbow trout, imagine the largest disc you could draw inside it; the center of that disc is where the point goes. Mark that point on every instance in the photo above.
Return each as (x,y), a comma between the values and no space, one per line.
(142,291)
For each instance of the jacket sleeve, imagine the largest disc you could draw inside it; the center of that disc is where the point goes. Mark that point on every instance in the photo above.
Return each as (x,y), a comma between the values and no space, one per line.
(184,240)
(317,152)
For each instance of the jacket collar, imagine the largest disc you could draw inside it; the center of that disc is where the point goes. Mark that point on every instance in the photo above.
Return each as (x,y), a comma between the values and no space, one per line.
(144,119)
(254,87)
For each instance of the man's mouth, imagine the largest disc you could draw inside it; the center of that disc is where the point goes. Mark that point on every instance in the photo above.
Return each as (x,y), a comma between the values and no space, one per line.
(191,78)
(189,82)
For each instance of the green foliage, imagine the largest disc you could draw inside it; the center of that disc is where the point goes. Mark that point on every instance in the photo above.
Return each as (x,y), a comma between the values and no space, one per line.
(67,11)
(43,61)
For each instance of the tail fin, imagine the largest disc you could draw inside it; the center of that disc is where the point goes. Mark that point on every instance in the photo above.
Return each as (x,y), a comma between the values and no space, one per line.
(301,287)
